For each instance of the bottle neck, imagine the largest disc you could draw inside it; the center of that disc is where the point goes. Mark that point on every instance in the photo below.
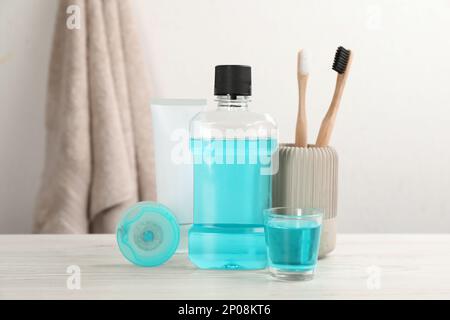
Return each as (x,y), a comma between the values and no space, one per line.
(232,103)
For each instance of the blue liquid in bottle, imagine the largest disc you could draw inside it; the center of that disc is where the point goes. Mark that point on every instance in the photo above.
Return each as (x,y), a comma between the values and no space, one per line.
(232,149)
(231,191)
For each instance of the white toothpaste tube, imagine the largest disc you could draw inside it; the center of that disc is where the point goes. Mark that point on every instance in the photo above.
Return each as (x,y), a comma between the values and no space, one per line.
(173,159)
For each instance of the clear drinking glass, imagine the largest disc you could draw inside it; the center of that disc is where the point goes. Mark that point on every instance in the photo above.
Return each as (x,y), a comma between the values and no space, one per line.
(292,241)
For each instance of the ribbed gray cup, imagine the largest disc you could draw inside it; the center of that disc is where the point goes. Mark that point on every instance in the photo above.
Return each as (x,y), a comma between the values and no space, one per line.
(307,178)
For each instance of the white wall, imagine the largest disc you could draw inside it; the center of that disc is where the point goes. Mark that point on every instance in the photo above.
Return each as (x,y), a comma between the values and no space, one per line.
(392,133)
(26,28)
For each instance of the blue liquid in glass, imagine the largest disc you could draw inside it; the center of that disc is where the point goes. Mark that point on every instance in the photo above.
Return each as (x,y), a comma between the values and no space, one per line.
(293,245)
(231,192)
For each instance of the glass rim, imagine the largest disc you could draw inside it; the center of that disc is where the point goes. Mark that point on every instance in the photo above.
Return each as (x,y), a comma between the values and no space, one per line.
(294,212)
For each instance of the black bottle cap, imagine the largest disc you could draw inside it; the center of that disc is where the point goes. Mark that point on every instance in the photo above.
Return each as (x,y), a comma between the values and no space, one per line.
(233,80)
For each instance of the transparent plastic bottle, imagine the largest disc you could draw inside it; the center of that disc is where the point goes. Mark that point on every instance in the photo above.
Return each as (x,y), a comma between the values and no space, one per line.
(232,149)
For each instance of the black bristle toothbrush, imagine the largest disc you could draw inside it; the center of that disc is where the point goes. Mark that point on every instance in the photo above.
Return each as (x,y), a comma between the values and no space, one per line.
(342,62)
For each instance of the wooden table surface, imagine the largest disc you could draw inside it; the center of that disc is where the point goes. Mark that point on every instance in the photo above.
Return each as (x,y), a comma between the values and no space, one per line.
(383,266)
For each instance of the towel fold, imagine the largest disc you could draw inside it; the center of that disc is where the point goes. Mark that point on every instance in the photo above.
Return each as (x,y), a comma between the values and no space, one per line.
(99,156)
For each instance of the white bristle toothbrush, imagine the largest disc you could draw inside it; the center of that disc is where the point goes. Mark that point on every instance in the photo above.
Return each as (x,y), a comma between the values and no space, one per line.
(301,135)
(342,62)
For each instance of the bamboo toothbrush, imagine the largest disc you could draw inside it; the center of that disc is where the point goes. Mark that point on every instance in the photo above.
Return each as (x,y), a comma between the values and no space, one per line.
(342,62)
(301,135)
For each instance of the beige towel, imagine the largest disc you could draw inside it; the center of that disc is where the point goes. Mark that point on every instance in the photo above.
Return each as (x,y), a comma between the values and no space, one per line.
(99,156)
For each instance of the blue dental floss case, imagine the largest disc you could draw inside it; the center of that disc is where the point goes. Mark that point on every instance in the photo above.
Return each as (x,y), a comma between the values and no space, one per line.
(148,234)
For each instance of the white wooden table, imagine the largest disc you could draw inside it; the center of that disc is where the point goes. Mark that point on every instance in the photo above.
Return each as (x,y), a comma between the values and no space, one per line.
(362,267)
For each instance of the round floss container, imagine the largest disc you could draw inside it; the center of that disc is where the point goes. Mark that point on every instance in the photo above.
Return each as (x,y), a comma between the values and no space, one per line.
(148,234)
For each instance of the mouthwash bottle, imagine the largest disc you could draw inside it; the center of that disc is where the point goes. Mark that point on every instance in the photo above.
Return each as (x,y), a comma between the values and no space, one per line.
(232,149)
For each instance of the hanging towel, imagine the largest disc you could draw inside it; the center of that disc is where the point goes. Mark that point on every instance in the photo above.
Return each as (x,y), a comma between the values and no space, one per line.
(99,155)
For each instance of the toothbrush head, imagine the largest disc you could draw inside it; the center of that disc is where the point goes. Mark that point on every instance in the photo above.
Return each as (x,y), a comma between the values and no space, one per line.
(303,62)
(341,60)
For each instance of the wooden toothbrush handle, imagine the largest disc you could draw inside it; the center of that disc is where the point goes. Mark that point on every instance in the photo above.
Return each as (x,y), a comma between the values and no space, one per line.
(326,128)
(301,136)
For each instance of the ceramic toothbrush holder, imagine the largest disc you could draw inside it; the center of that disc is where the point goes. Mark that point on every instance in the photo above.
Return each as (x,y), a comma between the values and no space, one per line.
(307,178)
